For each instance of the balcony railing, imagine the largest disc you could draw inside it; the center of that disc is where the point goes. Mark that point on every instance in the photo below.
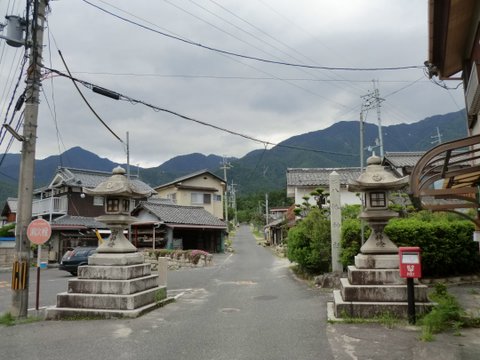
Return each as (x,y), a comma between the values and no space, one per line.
(55,206)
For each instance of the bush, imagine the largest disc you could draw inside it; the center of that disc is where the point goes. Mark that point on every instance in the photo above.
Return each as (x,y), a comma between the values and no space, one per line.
(309,243)
(6,231)
(446,242)
(447,246)
(351,240)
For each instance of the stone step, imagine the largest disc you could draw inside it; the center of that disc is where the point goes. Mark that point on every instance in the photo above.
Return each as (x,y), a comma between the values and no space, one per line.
(114,272)
(111,301)
(376,261)
(100,286)
(366,309)
(374,276)
(58,313)
(383,293)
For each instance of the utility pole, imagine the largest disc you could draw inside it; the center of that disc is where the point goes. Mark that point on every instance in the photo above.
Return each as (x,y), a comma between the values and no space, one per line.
(378,101)
(225,166)
(437,138)
(234,201)
(266,208)
(21,265)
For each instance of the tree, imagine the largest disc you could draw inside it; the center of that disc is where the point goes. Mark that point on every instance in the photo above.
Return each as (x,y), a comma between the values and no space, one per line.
(309,243)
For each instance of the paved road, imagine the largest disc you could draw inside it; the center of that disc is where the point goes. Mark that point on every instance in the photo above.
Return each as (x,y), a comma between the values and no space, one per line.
(247,306)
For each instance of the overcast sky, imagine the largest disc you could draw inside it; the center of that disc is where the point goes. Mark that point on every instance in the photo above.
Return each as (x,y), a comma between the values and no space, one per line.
(268,101)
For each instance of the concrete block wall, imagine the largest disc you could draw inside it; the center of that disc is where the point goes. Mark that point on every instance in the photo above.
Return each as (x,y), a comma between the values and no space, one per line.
(6,257)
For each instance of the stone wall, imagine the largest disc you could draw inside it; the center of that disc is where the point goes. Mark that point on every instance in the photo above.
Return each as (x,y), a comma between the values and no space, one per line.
(6,257)
(175,262)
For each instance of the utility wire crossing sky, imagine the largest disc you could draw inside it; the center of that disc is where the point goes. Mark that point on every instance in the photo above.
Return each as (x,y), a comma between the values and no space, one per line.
(260,71)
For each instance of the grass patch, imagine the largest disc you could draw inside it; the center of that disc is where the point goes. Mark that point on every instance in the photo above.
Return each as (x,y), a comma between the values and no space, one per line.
(8,319)
(386,319)
(446,315)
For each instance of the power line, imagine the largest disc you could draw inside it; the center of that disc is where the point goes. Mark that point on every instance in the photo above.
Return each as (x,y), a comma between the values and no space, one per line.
(119,96)
(226,52)
(86,101)
(232,77)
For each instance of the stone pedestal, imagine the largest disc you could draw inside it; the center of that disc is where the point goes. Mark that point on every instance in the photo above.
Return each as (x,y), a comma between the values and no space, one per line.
(111,286)
(374,288)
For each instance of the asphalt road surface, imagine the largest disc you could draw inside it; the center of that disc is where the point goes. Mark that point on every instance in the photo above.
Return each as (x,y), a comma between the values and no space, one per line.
(246,306)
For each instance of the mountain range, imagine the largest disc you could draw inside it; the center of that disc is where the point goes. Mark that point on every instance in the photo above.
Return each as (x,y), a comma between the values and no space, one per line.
(259,170)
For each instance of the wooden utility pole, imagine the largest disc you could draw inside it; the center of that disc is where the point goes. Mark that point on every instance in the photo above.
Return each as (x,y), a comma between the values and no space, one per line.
(225,166)
(21,265)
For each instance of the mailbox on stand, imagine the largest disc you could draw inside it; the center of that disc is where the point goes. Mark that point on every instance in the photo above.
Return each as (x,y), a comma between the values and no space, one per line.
(410,268)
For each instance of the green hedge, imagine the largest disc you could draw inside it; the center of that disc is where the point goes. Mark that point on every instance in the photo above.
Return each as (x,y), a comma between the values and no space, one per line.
(6,231)
(309,243)
(447,245)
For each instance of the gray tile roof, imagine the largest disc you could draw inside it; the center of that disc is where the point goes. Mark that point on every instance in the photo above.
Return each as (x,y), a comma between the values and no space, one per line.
(91,178)
(88,222)
(177,214)
(402,159)
(319,176)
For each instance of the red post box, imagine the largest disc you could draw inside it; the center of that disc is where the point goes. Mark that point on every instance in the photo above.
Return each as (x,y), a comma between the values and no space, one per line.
(410,262)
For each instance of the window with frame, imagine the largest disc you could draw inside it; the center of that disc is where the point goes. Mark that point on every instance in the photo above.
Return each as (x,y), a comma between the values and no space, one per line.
(113,205)
(173,197)
(98,201)
(207,198)
(378,199)
(200,198)
(217,197)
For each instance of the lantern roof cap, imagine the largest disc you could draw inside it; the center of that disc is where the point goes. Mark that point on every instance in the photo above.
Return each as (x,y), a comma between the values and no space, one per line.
(377,176)
(118,184)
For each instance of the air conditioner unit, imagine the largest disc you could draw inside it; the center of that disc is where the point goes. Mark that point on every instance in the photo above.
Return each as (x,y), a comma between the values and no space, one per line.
(472,93)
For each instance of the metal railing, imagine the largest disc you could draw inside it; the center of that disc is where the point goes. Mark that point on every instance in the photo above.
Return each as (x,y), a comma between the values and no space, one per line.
(55,206)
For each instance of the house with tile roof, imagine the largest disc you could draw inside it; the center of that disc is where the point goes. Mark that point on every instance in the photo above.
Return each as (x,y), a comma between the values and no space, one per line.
(302,181)
(402,163)
(202,188)
(174,226)
(69,209)
(9,211)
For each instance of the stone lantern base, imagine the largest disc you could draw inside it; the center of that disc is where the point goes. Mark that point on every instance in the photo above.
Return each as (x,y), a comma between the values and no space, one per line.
(374,288)
(111,286)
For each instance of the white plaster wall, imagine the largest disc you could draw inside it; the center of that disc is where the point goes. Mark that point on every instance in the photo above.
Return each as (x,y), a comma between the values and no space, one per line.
(346,197)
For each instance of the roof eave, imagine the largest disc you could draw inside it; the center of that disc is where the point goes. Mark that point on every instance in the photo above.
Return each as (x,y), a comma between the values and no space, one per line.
(450,26)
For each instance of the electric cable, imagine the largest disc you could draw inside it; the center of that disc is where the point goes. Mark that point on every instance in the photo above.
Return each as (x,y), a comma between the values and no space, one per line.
(134,101)
(230,57)
(231,77)
(231,53)
(279,41)
(86,101)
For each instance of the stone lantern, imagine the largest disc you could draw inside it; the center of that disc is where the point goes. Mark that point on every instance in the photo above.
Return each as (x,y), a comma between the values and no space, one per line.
(117,192)
(373,286)
(376,183)
(117,282)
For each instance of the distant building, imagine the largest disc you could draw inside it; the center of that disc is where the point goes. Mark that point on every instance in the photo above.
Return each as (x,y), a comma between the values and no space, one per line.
(166,225)
(202,188)
(402,163)
(302,181)
(277,227)
(71,212)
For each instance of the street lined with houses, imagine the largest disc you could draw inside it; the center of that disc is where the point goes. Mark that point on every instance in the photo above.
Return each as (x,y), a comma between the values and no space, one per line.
(246,306)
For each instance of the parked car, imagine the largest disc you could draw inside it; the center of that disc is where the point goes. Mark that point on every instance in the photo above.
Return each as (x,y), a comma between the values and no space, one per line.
(75,258)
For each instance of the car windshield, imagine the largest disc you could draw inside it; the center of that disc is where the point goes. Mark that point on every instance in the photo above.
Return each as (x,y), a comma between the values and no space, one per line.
(83,252)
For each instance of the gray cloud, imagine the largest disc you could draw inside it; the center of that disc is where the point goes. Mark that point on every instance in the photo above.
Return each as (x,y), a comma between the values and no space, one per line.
(222,90)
